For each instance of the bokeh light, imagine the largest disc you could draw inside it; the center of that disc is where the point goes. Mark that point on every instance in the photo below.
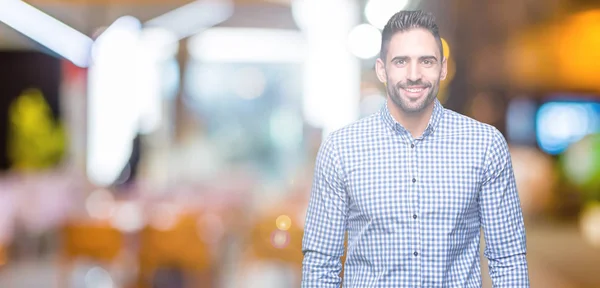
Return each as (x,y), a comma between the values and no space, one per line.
(445,48)
(590,224)
(280,239)
(378,12)
(451,66)
(165,216)
(561,123)
(128,217)
(98,277)
(283,222)
(100,204)
(581,165)
(535,177)
(364,41)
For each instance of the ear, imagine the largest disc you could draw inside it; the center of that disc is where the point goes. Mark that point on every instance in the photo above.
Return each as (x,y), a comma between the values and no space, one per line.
(444,71)
(380,70)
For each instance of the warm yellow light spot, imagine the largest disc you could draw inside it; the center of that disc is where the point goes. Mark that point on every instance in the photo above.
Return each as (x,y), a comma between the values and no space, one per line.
(446,48)
(283,222)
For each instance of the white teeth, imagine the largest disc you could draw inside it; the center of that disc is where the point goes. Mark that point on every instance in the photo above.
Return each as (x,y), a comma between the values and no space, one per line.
(414,90)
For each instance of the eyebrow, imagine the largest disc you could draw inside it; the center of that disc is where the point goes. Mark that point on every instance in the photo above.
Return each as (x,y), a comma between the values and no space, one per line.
(426,57)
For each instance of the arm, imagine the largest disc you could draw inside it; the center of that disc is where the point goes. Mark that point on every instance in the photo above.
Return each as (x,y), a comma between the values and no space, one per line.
(502,219)
(323,242)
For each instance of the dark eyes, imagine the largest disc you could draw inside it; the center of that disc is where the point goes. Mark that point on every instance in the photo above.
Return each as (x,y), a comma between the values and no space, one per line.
(424,62)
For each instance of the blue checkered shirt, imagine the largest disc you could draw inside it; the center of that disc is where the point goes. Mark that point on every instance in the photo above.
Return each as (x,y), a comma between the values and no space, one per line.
(413,208)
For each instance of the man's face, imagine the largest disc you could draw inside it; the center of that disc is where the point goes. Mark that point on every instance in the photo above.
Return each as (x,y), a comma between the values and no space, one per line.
(412,70)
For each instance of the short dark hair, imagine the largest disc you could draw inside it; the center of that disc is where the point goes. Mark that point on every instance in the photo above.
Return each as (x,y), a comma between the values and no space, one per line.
(407,20)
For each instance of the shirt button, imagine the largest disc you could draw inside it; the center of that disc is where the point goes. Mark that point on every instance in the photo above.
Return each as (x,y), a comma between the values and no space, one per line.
(414,180)
(416,254)
(415,216)
(412,145)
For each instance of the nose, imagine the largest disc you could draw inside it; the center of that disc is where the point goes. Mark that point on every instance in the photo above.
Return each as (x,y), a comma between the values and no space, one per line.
(414,72)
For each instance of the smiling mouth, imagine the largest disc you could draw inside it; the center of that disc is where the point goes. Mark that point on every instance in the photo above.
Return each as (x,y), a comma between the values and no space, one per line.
(414,90)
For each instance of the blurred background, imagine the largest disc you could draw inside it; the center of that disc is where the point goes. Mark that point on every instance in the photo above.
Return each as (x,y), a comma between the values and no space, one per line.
(154,143)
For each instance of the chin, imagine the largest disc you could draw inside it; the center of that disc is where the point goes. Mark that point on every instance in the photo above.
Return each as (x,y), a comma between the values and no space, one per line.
(413,109)
(413,105)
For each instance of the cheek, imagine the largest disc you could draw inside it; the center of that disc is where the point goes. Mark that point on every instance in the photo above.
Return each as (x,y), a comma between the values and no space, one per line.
(396,75)
(432,75)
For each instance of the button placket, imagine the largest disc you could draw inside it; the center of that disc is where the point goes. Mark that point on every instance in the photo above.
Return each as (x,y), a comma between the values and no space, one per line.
(416,237)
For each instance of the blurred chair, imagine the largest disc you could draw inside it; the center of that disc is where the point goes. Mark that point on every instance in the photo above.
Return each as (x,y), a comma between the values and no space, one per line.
(273,249)
(177,251)
(270,243)
(98,242)
(276,237)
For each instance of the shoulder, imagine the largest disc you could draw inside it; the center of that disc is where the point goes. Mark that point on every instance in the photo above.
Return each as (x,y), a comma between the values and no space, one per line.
(344,143)
(488,138)
(355,132)
(460,124)
(484,139)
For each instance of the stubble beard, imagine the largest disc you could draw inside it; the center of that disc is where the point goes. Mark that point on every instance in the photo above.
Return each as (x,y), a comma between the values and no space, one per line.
(404,105)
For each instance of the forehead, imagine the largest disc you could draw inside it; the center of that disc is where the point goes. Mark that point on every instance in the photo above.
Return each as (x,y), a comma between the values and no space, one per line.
(413,43)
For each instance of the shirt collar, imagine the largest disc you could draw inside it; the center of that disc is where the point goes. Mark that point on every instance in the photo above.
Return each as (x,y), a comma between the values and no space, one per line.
(390,122)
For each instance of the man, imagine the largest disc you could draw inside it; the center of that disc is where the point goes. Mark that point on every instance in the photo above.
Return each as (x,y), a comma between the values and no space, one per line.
(413,184)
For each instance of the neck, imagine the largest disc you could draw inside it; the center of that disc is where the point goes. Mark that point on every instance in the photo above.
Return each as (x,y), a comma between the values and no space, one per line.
(415,123)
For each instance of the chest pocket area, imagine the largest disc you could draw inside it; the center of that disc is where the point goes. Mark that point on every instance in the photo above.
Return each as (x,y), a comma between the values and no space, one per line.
(380,201)
(453,200)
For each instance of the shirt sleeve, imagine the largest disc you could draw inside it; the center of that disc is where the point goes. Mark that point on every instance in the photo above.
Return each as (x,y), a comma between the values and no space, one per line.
(502,219)
(326,219)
